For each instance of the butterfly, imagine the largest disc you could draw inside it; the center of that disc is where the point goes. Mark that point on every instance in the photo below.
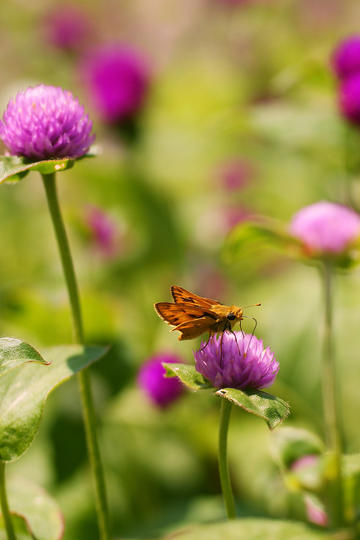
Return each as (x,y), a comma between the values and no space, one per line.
(193,315)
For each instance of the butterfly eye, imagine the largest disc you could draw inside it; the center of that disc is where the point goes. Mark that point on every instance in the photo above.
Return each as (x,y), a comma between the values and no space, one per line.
(231,317)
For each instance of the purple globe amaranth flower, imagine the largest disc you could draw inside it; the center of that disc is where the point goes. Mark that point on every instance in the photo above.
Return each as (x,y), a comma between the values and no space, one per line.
(103,231)
(315,511)
(349,99)
(161,390)
(236,174)
(67,28)
(46,122)
(236,360)
(346,57)
(325,228)
(117,79)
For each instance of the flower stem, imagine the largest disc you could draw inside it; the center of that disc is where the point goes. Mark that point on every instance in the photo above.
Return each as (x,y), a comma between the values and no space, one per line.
(83,376)
(223,462)
(10,533)
(331,406)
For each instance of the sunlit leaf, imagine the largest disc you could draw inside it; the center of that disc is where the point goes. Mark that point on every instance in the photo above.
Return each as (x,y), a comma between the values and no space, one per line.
(24,389)
(40,511)
(254,529)
(14,352)
(187,375)
(14,168)
(271,408)
(20,526)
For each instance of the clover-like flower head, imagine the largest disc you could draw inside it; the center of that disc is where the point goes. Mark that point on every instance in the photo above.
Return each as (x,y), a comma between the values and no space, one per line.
(325,228)
(236,360)
(117,80)
(346,57)
(161,390)
(46,122)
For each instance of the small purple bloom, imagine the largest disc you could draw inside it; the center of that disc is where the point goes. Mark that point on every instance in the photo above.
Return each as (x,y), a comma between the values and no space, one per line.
(346,57)
(236,174)
(46,122)
(241,362)
(315,511)
(67,28)
(103,231)
(325,228)
(117,80)
(349,99)
(151,378)
(305,461)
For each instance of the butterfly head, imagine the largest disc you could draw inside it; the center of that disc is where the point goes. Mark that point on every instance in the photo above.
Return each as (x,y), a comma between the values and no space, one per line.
(235,314)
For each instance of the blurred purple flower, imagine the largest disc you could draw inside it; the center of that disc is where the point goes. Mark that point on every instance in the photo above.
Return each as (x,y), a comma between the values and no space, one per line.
(236,174)
(161,390)
(103,231)
(236,363)
(346,57)
(325,228)
(46,122)
(315,512)
(117,79)
(349,99)
(67,27)
(304,461)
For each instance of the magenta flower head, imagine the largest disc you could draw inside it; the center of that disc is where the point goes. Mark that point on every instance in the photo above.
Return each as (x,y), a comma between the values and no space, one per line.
(234,360)
(346,58)
(46,122)
(349,99)
(236,174)
(103,231)
(161,390)
(67,28)
(117,80)
(325,228)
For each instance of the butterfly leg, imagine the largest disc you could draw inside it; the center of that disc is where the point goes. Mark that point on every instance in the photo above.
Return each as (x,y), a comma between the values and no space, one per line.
(207,343)
(237,344)
(252,333)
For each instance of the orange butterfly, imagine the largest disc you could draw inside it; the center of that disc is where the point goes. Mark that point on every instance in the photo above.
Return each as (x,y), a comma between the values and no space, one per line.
(192,315)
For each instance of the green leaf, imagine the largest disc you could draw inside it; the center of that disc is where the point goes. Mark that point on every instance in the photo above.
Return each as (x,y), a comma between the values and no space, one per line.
(187,375)
(272,409)
(247,240)
(290,444)
(41,513)
(14,352)
(21,528)
(14,168)
(24,389)
(252,529)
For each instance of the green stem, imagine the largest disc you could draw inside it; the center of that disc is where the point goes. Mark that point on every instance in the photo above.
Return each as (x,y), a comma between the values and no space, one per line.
(10,533)
(83,376)
(331,406)
(223,462)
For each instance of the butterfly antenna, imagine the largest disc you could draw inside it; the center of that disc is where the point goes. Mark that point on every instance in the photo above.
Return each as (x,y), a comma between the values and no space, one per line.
(251,305)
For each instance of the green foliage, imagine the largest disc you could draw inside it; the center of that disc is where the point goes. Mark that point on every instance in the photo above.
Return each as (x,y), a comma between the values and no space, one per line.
(15,168)
(24,389)
(290,444)
(14,352)
(272,409)
(21,528)
(40,512)
(254,529)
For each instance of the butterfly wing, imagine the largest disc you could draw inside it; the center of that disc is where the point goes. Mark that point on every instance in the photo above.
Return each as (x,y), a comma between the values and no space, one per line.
(183,296)
(193,329)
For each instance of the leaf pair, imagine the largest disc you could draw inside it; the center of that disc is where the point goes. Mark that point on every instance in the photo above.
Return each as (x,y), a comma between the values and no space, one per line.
(272,409)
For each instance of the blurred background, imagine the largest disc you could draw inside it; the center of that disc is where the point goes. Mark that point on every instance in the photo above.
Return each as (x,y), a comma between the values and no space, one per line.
(229,113)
